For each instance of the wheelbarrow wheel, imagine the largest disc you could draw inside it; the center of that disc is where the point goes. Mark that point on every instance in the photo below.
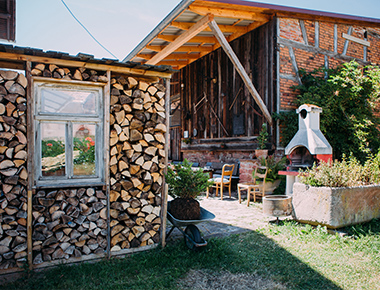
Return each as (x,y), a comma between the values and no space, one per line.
(193,232)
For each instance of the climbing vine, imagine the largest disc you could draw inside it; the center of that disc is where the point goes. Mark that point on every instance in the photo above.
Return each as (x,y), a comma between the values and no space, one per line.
(349,96)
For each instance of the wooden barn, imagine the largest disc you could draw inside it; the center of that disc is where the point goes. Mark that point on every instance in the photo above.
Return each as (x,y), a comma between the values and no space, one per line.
(82,157)
(237,63)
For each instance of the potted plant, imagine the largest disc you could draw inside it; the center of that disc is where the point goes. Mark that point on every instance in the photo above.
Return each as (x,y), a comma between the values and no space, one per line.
(185,185)
(273,180)
(263,140)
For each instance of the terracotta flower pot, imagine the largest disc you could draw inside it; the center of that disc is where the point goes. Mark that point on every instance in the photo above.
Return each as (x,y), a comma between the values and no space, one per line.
(261,153)
(271,186)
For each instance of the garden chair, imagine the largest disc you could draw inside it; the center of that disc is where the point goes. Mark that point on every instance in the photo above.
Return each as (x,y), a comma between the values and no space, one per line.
(257,187)
(223,181)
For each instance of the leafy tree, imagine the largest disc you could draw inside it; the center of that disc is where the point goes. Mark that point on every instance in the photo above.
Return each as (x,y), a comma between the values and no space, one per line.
(349,98)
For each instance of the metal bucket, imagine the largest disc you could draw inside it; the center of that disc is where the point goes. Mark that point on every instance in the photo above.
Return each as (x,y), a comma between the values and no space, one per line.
(277,205)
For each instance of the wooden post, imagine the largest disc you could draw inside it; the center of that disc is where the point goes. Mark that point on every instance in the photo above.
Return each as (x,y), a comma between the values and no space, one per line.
(107,95)
(183,38)
(164,207)
(240,69)
(30,162)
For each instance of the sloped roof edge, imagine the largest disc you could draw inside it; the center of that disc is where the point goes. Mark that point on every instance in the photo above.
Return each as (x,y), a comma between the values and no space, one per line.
(165,22)
(290,9)
(270,8)
(16,54)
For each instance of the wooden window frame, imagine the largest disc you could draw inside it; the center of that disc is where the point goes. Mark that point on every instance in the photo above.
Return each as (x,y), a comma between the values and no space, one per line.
(69,119)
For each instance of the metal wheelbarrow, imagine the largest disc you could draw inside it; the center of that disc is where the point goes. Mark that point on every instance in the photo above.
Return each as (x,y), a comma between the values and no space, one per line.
(191,233)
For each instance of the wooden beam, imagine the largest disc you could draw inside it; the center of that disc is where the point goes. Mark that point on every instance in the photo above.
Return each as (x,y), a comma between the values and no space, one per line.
(224,28)
(347,42)
(196,39)
(74,63)
(172,56)
(240,69)
(174,63)
(250,27)
(182,39)
(183,48)
(355,39)
(164,195)
(229,13)
(106,157)
(30,162)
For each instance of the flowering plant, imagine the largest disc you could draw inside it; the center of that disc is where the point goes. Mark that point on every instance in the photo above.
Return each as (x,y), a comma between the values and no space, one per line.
(52,148)
(86,148)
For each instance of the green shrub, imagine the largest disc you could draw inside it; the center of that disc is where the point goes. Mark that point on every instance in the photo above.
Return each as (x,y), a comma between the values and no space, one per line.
(184,182)
(273,166)
(346,173)
(86,148)
(263,137)
(348,97)
(52,148)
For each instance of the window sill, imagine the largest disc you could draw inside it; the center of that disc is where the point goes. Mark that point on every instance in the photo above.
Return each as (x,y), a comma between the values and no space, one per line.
(49,184)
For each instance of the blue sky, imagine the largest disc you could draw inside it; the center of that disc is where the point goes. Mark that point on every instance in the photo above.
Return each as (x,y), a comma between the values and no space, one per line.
(121,24)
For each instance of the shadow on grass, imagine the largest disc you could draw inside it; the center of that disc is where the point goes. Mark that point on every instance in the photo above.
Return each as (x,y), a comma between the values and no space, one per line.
(250,252)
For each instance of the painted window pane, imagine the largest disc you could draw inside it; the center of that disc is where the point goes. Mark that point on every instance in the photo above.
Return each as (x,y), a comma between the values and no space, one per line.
(53,149)
(61,101)
(84,149)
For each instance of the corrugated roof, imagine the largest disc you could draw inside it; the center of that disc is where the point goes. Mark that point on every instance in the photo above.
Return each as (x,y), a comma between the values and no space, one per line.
(14,55)
(234,18)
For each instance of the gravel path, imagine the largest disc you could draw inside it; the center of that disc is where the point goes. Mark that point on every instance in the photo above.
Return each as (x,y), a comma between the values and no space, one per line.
(230,216)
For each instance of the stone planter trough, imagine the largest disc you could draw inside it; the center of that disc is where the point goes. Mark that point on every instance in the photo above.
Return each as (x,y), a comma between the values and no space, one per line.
(335,207)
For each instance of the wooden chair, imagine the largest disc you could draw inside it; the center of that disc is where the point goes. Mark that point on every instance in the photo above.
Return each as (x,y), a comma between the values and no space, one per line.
(223,181)
(253,187)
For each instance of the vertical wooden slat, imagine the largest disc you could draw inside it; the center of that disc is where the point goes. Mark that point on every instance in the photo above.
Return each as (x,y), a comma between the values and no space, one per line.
(164,202)
(107,96)
(219,77)
(335,38)
(304,32)
(316,43)
(30,160)
(345,48)
(227,48)
(278,95)
(247,67)
(271,66)
(183,89)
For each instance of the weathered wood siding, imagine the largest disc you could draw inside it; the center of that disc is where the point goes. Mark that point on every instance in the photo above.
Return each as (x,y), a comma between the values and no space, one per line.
(213,95)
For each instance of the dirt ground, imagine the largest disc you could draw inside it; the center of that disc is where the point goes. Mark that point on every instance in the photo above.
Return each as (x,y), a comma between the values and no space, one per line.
(231,217)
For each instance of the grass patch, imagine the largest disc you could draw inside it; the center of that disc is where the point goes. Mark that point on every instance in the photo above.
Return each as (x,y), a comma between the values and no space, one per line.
(289,255)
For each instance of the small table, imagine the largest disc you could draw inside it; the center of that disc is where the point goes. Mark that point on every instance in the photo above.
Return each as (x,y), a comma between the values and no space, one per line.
(291,177)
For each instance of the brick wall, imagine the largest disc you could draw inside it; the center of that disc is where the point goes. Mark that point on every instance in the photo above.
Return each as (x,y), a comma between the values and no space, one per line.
(317,48)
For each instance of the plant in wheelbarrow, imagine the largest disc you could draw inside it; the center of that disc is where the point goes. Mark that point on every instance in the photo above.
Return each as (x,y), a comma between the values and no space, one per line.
(185,185)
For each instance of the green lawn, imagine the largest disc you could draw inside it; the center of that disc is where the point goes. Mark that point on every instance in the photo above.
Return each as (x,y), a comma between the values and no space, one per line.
(292,255)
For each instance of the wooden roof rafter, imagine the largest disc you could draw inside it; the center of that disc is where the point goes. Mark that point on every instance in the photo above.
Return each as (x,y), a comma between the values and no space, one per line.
(230,13)
(234,19)
(183,48)
(195,39)
(182,39)
(224,28)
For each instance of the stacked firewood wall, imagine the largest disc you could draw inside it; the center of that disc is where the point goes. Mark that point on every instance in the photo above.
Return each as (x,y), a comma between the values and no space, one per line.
(13,173)
(72,222)
(69,223)
(137,161)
